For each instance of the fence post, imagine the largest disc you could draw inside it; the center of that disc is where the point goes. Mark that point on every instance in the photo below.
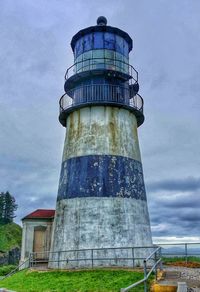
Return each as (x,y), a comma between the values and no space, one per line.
(33,259)
(155,260)
(186,253)
(160,256)
(92,258)
(58,259)
(145,276)
(30,260)
(133,256)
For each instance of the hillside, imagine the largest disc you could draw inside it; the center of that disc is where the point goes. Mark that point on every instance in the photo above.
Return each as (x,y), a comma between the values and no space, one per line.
(10,236)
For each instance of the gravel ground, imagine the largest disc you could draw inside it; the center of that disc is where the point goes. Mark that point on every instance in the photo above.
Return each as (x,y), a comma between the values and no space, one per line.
(189,275)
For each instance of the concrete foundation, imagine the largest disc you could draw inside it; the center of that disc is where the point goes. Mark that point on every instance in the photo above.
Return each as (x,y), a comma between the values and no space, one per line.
(101,223)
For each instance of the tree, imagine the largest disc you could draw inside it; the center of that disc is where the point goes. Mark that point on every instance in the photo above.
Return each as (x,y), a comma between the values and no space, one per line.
(1,207)
(7,208)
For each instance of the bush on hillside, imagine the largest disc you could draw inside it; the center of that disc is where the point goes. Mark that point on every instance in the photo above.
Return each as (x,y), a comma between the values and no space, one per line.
(6,270)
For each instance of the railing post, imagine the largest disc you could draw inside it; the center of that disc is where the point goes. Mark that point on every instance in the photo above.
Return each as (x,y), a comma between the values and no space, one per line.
(33,257)
(92,258)
(59,259)
(145,276)
(133,256)
(186,253)
(155,259)
(160,256)
(30,260)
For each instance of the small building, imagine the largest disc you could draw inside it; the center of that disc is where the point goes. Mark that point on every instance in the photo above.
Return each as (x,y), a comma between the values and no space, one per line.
(37,230)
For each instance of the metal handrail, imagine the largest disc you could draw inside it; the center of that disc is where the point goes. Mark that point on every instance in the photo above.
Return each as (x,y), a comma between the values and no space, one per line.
(15,269)
(151,254)
(100,93)
(181,243)
(74,256)
(184,252)
(102,248)
(147,275)
(72,70)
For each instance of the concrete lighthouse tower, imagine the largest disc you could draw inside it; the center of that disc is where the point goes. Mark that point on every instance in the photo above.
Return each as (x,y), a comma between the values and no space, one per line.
(101,199)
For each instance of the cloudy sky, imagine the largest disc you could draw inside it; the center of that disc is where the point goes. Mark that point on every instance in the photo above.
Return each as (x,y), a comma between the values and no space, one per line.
(34,55)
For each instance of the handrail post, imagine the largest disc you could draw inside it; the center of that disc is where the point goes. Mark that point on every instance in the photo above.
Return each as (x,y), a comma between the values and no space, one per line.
(30,260)
(33,258)
(92,258)
(160,256)
(145,276)
(133,255)
(155,260)
(58,259)
(186,253)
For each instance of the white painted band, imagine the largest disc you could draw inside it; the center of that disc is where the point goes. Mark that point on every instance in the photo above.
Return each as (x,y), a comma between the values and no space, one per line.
(101,130)
(101,222)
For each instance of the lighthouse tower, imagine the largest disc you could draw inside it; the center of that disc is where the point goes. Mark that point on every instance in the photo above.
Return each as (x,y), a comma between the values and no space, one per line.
(101,198)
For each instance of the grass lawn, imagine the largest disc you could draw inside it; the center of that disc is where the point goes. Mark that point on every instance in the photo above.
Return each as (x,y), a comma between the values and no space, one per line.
(81,281)
(180,259)
(192,261)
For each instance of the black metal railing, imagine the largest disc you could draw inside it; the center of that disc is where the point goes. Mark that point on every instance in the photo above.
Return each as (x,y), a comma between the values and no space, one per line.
(103,63)
(155,260)
(100,94)
(186,251)
(113,256)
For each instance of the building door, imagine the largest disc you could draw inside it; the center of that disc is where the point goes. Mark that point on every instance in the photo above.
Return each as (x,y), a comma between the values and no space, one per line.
(39,242)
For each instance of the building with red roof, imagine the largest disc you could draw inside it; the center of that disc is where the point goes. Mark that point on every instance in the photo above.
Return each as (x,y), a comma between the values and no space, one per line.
(37,231)
(40,214)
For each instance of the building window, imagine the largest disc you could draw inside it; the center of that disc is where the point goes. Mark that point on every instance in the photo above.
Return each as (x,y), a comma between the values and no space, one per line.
(98,40)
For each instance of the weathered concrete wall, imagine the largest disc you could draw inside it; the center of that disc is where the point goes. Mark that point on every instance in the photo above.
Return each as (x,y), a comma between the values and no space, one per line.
(103,222)
(101,130)
(84,223)
(101,196)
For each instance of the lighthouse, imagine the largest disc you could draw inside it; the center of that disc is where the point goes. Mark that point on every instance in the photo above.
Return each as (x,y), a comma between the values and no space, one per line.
(101,201)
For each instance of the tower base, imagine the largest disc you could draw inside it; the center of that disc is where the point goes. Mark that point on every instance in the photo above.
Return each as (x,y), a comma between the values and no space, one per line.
(116,226)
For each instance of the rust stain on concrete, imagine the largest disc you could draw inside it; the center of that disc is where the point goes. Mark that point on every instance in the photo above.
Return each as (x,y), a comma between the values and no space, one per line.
(101,130)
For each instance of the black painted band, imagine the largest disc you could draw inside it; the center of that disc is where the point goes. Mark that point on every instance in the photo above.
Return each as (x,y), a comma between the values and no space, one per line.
(101,176)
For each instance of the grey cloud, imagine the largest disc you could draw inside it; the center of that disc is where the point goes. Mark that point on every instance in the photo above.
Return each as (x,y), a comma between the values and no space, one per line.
(34,54)
(183,185)
(170,217)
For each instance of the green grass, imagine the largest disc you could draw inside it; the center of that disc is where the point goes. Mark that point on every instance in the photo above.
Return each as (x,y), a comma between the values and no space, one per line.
(4,270)
(180,259)
(10,236)
(83,281)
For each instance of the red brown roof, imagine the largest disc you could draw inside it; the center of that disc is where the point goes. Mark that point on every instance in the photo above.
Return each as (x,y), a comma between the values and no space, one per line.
(41,214)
